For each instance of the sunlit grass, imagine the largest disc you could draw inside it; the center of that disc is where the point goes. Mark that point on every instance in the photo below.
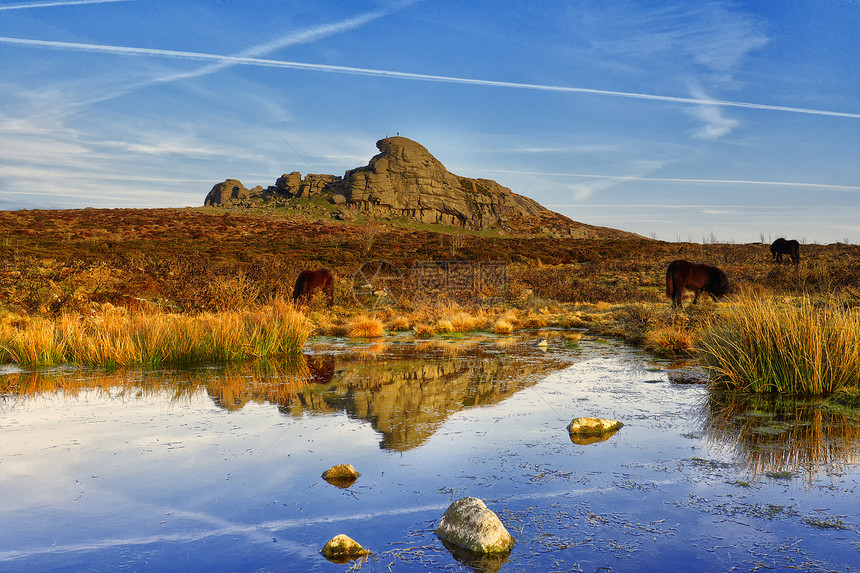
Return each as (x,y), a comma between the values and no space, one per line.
(764,345)
(363,326)
(114,337)
(668,340)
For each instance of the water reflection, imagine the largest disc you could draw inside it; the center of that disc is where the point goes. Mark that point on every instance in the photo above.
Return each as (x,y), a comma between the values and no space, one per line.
(404,391)
(476,562)
(776,434)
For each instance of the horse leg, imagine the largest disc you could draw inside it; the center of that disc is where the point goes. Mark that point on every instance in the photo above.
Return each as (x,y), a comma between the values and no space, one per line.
(678,292)
(329,291)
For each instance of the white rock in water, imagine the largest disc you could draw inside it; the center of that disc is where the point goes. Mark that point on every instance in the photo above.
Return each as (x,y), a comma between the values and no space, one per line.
(468,523)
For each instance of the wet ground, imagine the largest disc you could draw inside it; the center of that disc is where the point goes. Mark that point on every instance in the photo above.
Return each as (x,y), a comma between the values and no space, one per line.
(218,469)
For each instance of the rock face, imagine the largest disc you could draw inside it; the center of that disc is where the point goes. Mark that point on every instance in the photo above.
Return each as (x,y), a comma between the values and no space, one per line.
(405,181)
(469,524)
(231,193)
(293,185)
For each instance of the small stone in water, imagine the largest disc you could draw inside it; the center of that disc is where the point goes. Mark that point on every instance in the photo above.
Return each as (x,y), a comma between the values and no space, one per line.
(342,548)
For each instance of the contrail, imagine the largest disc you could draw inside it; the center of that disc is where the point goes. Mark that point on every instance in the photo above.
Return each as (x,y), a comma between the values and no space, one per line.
(305,37)
(201,56)
(683,180)
(58,3)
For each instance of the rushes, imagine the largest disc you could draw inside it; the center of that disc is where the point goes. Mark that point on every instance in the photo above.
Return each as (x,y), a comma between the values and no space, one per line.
(766,346)
(115,337)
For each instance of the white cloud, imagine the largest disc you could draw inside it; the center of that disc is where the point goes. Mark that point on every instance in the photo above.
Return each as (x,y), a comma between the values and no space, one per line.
(716,124)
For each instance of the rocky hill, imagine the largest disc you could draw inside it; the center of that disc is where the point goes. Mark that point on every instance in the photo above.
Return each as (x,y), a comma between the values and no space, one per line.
(406,181)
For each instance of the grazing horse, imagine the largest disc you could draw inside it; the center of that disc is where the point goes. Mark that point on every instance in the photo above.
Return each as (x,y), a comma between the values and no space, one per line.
(309,281)
(691,276)
(782,247)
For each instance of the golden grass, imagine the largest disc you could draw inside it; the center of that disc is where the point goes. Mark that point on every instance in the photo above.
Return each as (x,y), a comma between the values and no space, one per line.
(764,345)
(364,326)
(668,340)
(462,321)
(399,324)
(114,337)
(424,330)
(502,326)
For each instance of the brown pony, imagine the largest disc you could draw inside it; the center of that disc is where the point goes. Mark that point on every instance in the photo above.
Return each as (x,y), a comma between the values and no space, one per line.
(309,281)
(782,247)
(691,276)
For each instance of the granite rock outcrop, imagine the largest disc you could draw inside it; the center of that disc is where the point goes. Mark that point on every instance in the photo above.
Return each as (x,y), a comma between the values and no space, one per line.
(405,181)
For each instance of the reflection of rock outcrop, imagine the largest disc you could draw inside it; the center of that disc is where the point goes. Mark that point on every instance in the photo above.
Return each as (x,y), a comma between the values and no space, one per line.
(404,397)
(780,433)
(407,400)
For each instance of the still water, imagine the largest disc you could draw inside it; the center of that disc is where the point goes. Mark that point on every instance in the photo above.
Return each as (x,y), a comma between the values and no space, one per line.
(218,469)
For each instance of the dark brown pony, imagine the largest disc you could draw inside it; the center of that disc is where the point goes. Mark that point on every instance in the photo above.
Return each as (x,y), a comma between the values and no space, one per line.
(691,276)
(782,247)
(309,281)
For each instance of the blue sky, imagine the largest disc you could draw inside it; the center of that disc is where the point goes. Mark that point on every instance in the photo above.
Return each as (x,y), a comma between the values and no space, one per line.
(733,121)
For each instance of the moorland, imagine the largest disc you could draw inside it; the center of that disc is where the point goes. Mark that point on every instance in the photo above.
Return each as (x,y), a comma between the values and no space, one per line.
(197,262)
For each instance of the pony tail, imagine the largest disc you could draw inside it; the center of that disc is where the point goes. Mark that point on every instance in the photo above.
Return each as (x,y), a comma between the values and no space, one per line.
(669,285)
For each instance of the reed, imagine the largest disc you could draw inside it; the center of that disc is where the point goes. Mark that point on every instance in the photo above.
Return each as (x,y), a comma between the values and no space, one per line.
(114,337)
(764,345)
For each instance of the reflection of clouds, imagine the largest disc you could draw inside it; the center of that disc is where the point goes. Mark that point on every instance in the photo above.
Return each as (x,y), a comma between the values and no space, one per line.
(263,531)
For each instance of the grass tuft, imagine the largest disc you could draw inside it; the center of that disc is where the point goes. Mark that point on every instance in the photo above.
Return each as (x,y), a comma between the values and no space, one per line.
(764,345)
(363,326)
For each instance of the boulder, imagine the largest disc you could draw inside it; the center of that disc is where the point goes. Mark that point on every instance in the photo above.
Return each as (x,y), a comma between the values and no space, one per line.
(469,524)
(227,193)
(341,548)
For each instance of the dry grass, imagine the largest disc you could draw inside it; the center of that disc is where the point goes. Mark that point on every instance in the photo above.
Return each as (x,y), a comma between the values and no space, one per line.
(364,326)
(115,337)
(399,324)
(765,345)
(424,330)
(668,341)
(502,326)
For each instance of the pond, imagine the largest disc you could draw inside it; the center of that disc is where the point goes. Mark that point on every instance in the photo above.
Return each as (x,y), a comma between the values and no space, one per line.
(219,469)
